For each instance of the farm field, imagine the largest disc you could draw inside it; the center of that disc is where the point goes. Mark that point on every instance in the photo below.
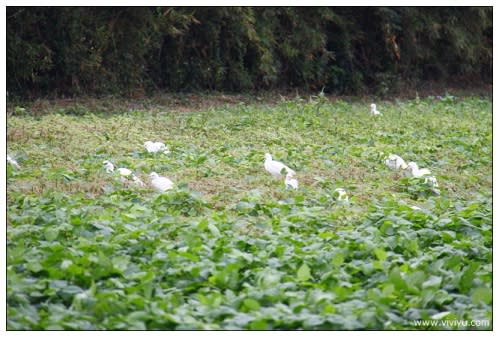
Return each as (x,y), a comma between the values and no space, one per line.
(230,247)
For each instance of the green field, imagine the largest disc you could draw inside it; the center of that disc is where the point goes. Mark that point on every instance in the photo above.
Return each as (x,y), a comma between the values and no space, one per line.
(230,247)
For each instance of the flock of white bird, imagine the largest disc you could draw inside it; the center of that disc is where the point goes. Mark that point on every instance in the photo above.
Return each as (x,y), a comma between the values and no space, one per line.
(278,170)
(159,183)
(274,167)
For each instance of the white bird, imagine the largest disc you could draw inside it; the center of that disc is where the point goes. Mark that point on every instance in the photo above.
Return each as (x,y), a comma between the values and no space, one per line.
(160,183)
(153,147)
(416,208)
(125,174)
(108,166)
(291,182)
(395,162)
(431,180)
(341,195)
(374,111)
(417,172)
(426,174)
(275,167)
(12,161)
(123,171)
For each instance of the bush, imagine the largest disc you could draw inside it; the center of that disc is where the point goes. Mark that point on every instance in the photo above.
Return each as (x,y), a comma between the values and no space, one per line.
(99,50)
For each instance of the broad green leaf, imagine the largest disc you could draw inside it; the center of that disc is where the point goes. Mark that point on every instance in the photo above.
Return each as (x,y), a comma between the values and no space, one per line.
(251,304)
(380,254)
(51,233)
(259,324)
(303,273)
(213,229)
(338,259)
(35,266)
(397,279)
(432,281)
(481,294)
(65,264)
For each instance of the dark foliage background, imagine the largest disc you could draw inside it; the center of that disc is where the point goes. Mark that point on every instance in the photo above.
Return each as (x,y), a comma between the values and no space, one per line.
(63,51)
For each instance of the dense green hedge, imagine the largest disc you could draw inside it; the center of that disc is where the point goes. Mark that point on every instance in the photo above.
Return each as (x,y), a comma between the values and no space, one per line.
(130,50)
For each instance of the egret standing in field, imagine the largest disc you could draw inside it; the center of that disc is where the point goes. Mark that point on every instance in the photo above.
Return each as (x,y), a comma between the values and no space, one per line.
(160,183)
(429,180)
(395,162)
(432,182)
(341,195)
(276,168)
(13,162)
(108,166)
(291,182)
(374,111)
(125,173)
(417,172)
(153,147)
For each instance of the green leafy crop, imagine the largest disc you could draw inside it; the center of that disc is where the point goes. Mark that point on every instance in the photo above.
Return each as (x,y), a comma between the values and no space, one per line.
(230,247)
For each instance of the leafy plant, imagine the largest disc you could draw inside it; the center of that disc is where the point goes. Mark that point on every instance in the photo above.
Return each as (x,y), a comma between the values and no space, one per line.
(230,247)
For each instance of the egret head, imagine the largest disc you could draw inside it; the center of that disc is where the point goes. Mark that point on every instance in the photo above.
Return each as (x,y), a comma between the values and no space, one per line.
(148,143)
(153,175)
(373,107)
(268,156)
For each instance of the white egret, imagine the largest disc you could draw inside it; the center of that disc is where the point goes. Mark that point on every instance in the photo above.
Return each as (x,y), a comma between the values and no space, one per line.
(432,182)
(341,195)
(374,111)
(153,147)
(426,174)
(417,172)
(108,166)
(123,171)
(160,183)
(275,167)
(291,182)
(13,162)
(125,174)
(395,162)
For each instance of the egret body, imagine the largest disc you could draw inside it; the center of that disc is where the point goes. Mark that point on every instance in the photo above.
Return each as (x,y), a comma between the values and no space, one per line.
(276,167)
